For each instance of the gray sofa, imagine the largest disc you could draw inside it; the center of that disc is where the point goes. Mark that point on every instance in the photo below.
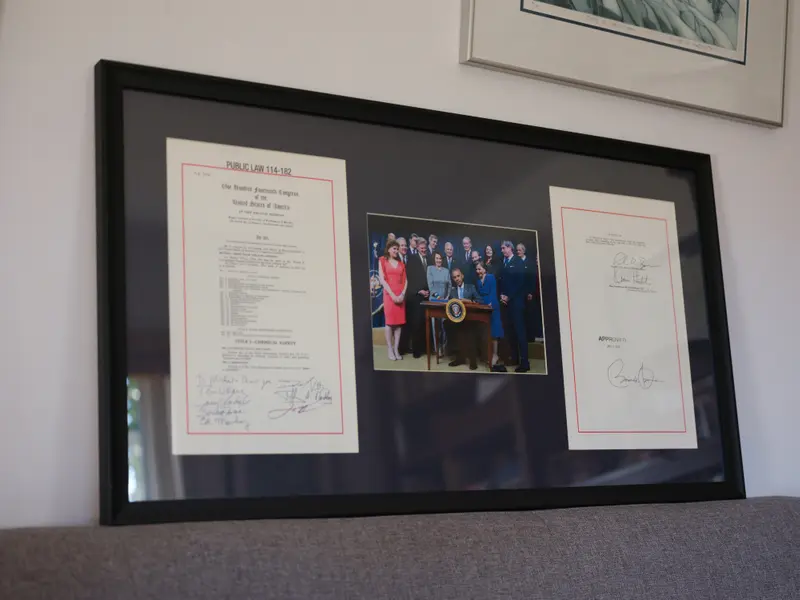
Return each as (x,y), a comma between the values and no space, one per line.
(727,550)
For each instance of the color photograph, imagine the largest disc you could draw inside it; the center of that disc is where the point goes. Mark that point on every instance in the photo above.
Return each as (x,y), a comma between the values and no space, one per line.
(451,297)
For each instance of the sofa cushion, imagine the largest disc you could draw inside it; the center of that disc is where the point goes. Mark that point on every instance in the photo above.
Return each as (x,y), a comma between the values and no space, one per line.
(727,550)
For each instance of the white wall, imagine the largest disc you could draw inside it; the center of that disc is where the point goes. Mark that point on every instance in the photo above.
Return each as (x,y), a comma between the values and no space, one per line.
(402,52)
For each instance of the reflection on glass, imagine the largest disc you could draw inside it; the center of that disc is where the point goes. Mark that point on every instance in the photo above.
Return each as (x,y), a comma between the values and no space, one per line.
(444,438)
(154,473)
(136,480)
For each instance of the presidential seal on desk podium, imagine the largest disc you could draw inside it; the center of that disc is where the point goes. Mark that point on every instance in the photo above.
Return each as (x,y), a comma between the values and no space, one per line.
(455,310)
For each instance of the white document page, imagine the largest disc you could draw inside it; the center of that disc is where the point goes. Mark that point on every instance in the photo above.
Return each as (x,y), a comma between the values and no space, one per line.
(261,328)
(625,354)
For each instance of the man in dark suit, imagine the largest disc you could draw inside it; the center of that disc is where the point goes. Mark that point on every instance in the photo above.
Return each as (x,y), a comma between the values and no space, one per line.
(403,255)
(417,273)
(448,260)
(533,316)
(412,243)
(470,276)
(464,333)
(465,256)
(514,289)
(433,243)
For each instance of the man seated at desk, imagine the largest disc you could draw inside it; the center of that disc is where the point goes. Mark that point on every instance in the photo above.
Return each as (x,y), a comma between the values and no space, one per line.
(463,334)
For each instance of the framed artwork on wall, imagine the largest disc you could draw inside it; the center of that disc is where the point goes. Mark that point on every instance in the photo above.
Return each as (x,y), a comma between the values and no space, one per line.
(725,57)
(318,306)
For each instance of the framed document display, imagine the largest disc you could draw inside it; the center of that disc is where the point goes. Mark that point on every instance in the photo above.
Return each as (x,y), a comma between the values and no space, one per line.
(725,57)
(318,306)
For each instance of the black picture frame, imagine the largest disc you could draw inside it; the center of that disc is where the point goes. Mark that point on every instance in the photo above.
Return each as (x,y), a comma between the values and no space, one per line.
(113,79)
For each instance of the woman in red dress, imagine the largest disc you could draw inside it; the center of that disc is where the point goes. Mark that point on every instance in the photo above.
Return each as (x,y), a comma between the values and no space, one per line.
(392,275)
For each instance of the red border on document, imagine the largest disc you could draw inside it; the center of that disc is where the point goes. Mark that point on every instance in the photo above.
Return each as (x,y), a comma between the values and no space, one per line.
(569,312)
(185,335)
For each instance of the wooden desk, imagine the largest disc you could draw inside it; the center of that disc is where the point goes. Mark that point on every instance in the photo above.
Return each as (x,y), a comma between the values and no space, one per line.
(475,312)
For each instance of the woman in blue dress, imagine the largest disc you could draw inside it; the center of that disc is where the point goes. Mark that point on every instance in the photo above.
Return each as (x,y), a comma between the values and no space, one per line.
(486,285)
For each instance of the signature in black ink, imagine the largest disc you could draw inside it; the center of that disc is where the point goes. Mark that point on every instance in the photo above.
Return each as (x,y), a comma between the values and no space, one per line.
(630,269)
(624,260)
(630,276)
(302,397)
(644,377)
(225,410)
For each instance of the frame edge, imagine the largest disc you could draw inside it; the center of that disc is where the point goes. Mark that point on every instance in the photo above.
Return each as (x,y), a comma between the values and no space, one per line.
(111,301)
(465,33)
(103,349)
(718,325)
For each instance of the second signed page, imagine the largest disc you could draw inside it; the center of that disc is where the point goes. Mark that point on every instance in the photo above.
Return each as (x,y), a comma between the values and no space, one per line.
(624,345)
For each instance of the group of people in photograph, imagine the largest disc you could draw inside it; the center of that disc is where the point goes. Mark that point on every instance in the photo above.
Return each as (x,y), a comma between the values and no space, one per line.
(417,269)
